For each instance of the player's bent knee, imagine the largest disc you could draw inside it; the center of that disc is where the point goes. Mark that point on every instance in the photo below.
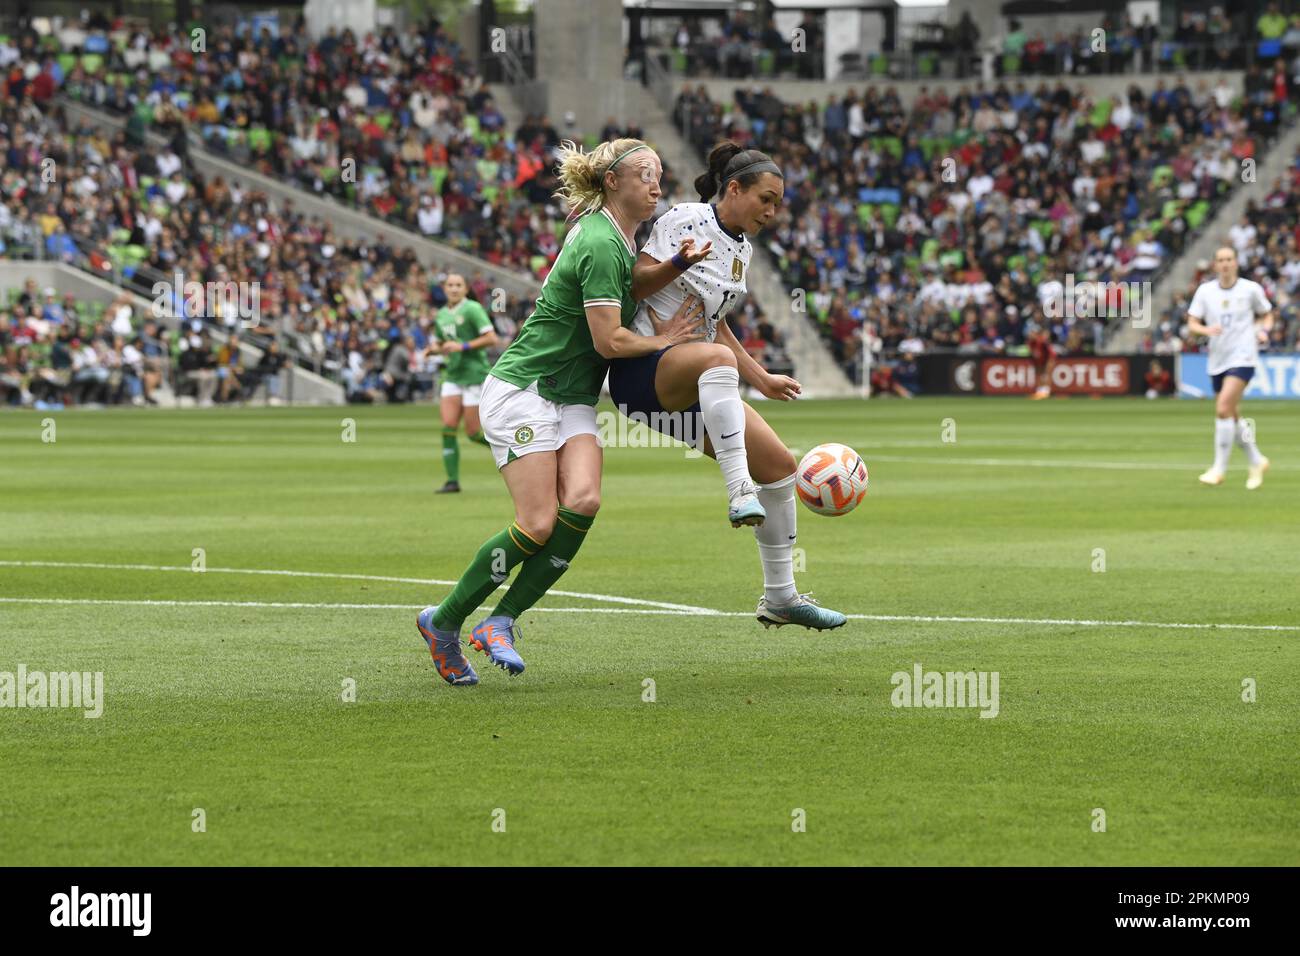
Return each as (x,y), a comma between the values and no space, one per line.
(586,502)
(718,356)
(537,526)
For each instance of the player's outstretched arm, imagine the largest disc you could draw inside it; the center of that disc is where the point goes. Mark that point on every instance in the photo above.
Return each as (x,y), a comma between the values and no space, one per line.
(779,387)
(613,341)
(649,275)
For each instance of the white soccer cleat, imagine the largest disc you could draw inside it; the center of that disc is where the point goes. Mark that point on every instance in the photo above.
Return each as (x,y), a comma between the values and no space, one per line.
(1256,474)
(745,508)
(1211,477)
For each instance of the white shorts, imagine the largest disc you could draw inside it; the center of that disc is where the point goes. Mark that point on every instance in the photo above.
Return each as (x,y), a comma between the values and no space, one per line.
(470,395)
(518,421)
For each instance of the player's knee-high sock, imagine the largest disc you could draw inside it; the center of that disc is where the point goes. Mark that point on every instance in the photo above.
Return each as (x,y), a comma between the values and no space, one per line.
(542,570)
(1246,442)
(1224,428)
(490,568)
(451,454)
(776,541)
(478,438)
(724,420)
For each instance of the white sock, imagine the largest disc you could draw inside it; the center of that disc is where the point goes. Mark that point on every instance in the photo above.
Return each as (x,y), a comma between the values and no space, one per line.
(724,420)
(1249,447)
(1224,428)
(776,541)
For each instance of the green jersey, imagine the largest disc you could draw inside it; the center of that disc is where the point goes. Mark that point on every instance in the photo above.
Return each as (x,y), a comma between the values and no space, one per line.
(467,321)
(554,347)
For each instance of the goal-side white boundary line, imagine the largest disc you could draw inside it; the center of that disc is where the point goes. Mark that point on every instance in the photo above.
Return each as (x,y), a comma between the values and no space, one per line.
(651,607)
(698,612)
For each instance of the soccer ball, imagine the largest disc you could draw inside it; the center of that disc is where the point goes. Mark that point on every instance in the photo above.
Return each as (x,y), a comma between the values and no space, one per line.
(832,479)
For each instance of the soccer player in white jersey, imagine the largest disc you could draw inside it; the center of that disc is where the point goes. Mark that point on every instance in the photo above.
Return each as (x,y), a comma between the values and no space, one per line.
(1236,315)
(698,383)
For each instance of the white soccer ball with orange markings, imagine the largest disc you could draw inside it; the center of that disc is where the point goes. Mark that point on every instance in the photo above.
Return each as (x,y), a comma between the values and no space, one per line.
(832,479)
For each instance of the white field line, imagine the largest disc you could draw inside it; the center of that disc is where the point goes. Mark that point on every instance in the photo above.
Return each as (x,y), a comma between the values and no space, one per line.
(701,612)
(608,598)
(1035,463)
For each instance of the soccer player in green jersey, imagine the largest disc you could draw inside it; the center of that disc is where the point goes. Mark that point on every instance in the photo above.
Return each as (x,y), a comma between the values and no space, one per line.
(538,406)
(465,333)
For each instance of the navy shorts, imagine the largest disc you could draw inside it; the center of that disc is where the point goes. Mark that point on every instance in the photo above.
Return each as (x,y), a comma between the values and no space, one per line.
(632,386)
(1243,372)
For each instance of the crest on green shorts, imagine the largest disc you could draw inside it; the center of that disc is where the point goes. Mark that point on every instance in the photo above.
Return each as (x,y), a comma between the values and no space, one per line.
(523,435)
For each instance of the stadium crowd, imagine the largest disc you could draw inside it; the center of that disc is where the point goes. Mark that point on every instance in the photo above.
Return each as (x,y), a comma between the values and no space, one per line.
(1267,243)
(1034,186)
(397,124)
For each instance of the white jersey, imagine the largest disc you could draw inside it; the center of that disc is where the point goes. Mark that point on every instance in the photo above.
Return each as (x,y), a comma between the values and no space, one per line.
(1235,310)
(718,281)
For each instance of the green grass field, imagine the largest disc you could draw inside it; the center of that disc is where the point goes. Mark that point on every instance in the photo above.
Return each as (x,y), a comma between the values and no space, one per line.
(236,708)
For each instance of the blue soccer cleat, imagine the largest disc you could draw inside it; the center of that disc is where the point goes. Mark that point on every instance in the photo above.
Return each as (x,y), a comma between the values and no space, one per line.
(804,611)
(444,646)
(745,508)
(496,638)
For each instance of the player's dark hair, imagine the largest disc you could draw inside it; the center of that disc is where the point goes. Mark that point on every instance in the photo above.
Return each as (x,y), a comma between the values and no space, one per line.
(724,160)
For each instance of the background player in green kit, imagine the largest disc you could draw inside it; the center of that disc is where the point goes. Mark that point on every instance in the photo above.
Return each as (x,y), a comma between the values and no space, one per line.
(538,407)
(465,333)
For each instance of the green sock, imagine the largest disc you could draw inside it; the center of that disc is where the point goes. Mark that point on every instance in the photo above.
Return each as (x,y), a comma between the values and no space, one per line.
(451,454)
(490,568)
(543,569)
(478,438)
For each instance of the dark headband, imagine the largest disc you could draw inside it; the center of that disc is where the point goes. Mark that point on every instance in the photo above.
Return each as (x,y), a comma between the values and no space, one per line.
(762,166)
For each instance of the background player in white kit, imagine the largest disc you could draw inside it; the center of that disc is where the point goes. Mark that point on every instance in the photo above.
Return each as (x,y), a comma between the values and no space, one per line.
(1237,316)
(699,382)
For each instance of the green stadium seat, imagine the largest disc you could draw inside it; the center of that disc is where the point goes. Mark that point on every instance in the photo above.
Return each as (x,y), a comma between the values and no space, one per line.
(67,62)
(879,65)
(953,257)
(259,139)
(1010,64)
(930,250)
(1197,213)
(892,144)
(926,64)
(679,61)
(1100,113)
(1161,175)
(766,63)
(91,62)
